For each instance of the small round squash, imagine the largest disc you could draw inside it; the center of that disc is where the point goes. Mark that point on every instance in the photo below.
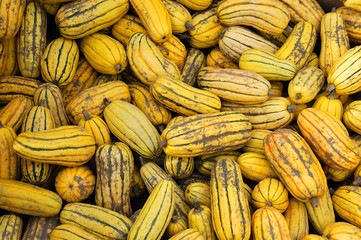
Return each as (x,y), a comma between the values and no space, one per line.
(75,184)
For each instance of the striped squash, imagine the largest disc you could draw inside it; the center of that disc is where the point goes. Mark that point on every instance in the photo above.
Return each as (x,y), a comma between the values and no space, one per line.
(8,57)
(236,40)
(104,53)
(104,78)
(146,60)
(179,16)
(235,85)
(267,64)
(37,202)
(200,134)
(344,76)
(182,98)
(188,234)
(305,11)
(97,126)
(277,88)
(92,99)
(179,167)
(313,60)
(322,215)
(299,45)
(67,146)
(150,226)
(304,87)
(255,143)
(217,58)
(90,16)
(231,215)
(11,227)
(130,125)
(352,115)
(206,162)
(318,127)
(269,16)
(39,118)
(51,95)
(85,76)
(142,98)
(330,104)
(334,40)
(346,202)
(13,114)
(352,20)
(123,29)
(69,231)
(9,160)
(297,219)
(337,175)
(176,225)
(270,193)
(354,4)
(194,61)
(268,223)
(39,228)
(313,237)
(14,86)
(75,184)
(137,185)
(114,166)
(198,190)
(11,14)
(155,18)
(174,50)
(196,4)
(152,174)
(207,28)
(99,221)
(255,166)
(342,230)
(59,61)
(200,218)
(300,171)
(276,112)
(32,40)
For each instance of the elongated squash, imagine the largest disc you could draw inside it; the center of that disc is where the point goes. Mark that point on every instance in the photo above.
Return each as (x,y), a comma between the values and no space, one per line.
(200,134)
(8,57)
(31,40)
(92,99)
(115,165)
(90,16)
(59,61)
(14,86)
(37,202)
(39,228)
(183,98)
(193,62)
(297,219)
(235,85)
(146,60)
(207,161)
(155,18)
(66,145)
(69,231)
(105,54)
(267,223)
(318,127)
(11,227)
(269,16)
(295,164)
(346,202)
(299,45)
(9,161)
(267,64)
(130,125)
(255,166)
(342,230)
(231,215)
(99,221)
(11,14)
(150,226)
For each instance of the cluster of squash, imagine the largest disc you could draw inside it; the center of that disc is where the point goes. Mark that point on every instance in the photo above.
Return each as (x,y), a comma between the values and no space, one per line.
(180,120)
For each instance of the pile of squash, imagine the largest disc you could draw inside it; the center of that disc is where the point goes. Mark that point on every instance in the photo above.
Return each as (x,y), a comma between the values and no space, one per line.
(180,120)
